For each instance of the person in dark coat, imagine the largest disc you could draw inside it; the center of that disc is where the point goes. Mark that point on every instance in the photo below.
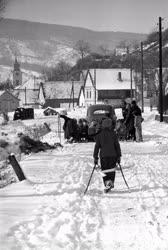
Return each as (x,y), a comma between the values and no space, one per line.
(129,122)
(70,128)
(137,113)
(107,147)
(124,109)
(83,130)
(65,126)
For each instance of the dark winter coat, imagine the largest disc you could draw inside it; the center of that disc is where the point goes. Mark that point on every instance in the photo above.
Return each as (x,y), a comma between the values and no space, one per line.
(136,111)
(129,121)
(70,127)
(107,143)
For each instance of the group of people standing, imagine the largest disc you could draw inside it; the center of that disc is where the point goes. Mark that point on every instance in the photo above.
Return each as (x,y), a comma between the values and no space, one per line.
(132,119)
(75,131)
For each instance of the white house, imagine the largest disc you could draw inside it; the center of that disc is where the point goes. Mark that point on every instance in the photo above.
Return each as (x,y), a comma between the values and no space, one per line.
(108,86)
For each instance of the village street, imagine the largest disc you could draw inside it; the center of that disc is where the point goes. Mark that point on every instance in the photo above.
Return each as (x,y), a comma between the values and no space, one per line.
(69,71)
(49,210)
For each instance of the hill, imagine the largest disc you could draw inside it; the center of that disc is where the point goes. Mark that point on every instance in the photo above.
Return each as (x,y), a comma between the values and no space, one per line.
(39,44)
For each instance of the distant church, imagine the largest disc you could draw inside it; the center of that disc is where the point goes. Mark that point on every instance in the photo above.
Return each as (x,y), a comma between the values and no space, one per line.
(17,74)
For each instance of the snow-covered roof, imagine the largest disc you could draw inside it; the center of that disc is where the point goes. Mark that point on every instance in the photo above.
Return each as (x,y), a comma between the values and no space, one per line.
(109,79)
(28,96)
(9,93)
(61,90)
(31,83)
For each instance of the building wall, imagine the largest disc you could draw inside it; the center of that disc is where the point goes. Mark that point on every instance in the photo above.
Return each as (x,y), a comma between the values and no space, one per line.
(41,96)
(89,92)
(8,102)
(109,86)
(82,99)
(60,103)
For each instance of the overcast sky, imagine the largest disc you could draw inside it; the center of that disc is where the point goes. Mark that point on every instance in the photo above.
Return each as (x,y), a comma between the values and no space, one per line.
(115,15)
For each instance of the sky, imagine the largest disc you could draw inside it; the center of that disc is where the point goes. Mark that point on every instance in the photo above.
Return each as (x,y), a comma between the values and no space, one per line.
(139,16)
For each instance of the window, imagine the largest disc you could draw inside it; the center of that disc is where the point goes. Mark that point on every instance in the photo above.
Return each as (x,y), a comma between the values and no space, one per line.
(88,94)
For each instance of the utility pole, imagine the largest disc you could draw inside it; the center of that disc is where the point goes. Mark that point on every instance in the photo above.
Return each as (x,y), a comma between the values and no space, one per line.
(34,81)
(142,77)
(25,96)
(131,76)
(160,71)
(73,92)
(95,83)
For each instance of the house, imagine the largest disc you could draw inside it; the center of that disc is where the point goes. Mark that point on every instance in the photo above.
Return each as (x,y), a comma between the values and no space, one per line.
(27,97)
(107,86)
(121,51)
(60,94)
(28,93)
(8,102)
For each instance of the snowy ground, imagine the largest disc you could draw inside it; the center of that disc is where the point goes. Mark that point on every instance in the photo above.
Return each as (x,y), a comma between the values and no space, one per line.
(49,211)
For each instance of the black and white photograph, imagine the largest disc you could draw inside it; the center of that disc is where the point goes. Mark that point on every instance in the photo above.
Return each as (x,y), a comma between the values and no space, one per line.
(83,124)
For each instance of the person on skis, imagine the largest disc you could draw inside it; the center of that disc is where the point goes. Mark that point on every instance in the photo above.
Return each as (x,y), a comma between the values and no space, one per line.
(107,147)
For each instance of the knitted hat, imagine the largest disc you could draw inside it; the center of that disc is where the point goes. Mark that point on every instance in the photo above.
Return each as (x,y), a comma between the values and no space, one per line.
(107,123)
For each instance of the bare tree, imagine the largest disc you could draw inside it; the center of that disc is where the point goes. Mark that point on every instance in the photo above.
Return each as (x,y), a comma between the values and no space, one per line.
(3,4)
(103,50)
(61,72)
(82,48)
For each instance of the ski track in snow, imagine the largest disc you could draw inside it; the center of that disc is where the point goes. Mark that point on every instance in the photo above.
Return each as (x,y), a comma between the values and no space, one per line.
(66,219)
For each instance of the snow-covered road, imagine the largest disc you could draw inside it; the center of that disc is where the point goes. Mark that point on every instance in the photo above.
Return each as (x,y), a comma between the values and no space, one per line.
(50,212)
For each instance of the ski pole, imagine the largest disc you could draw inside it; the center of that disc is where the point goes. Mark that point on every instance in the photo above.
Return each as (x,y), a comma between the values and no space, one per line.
(90,179)
(123,176)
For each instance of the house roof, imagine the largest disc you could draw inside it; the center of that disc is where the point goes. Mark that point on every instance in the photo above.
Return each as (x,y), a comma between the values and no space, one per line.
(109,79)
(6,91)
(61,90)
(29,84)
(30,96)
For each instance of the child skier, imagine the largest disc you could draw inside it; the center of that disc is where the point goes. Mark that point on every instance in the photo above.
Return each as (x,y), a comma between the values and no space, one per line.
(110,153)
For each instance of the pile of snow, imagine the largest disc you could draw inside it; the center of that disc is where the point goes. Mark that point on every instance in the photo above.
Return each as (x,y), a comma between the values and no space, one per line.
(7,175)
(52,138)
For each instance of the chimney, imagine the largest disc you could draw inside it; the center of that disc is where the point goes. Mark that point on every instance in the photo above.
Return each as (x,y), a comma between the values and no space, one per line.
(119,76)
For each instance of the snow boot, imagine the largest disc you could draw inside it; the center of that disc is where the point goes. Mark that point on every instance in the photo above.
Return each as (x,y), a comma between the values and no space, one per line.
(108,186)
